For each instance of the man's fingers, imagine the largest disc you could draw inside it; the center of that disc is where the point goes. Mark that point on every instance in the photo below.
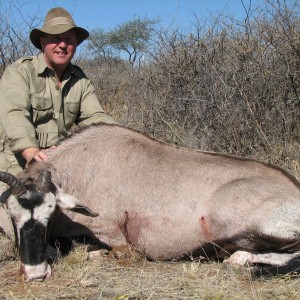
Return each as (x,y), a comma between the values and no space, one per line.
(40,156)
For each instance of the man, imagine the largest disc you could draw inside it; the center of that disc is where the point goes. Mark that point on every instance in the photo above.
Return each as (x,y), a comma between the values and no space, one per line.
(42,96)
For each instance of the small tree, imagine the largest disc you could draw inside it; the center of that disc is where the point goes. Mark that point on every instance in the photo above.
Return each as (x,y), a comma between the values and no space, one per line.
(131,37)
(99,44)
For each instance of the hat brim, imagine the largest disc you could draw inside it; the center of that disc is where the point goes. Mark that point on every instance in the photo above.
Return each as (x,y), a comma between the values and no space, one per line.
(36,33)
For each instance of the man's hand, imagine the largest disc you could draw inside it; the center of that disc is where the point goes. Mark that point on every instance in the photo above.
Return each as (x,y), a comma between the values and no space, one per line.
(35,153)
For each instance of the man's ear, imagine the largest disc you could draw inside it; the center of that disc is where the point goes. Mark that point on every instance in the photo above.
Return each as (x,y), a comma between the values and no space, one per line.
(67,201)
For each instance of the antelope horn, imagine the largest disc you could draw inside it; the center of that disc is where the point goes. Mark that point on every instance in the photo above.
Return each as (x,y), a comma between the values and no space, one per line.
(17,186)
(44,181)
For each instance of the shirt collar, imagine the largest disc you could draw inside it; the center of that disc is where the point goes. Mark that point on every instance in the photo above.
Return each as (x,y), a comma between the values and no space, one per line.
(42,66)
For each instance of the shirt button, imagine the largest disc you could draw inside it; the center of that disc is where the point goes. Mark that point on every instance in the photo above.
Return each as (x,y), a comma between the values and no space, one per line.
(12,159)
(57,87)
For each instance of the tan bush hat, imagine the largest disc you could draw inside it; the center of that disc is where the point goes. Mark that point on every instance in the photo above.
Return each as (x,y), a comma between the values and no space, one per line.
(57,21)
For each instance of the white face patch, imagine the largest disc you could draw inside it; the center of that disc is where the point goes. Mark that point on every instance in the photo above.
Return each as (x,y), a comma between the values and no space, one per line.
(43,212)
(19,214)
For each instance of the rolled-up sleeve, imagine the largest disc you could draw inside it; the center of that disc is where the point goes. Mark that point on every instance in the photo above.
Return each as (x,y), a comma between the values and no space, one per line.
(15,109)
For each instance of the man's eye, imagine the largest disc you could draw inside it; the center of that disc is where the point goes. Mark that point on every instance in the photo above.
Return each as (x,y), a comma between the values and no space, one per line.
(54,40)
(70,40)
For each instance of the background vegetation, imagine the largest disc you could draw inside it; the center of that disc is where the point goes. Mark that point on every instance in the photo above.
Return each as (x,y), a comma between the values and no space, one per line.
(221,84)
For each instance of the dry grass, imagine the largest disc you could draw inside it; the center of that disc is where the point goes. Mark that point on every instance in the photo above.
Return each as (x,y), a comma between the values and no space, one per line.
(75,277)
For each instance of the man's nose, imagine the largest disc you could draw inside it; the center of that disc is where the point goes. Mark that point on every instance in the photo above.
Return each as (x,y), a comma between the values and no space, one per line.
(63,44)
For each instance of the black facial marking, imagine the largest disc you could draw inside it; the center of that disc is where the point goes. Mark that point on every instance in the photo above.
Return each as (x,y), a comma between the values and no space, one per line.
(33,243)
(36,199)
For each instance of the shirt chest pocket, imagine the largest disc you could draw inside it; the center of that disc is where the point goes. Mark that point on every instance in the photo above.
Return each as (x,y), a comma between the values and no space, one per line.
(71,112)
(42,109)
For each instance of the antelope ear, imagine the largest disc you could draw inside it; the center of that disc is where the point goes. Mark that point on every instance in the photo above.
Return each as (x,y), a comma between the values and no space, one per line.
(81,209)
(67,201)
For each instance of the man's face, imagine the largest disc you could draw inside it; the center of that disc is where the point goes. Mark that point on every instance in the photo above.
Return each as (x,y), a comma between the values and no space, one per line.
(59,49)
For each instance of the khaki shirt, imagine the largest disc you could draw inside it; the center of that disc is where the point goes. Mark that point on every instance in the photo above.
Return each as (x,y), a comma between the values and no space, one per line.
(36,112)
